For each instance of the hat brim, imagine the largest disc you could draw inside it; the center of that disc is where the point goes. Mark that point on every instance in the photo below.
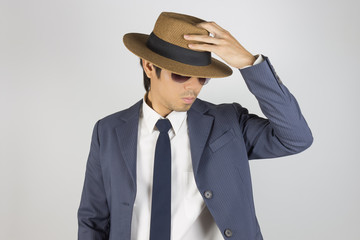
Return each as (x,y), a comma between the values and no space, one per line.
(136,43)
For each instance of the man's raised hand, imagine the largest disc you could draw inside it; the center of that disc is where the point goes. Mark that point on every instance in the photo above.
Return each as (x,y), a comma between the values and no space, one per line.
(223,44)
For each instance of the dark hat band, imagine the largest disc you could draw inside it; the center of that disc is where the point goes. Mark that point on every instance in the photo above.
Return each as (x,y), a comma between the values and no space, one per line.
(177,53)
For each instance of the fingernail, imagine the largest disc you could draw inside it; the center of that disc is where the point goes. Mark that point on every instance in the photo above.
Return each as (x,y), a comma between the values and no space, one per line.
(190,45)
(186,36)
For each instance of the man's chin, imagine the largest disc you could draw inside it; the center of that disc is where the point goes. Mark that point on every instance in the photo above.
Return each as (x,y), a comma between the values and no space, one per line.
(183,108)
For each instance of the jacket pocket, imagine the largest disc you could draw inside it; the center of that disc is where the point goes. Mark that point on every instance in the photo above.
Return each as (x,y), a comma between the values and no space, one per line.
(222,140)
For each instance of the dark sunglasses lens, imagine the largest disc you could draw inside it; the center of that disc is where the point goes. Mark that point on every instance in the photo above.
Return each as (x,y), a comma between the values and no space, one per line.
(179,78)
(204,81)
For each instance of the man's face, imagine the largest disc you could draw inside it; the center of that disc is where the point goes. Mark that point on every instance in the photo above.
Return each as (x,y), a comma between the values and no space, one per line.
(166,95)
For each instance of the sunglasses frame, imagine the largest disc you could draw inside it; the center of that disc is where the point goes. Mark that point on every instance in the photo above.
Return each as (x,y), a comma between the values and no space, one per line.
(181,79)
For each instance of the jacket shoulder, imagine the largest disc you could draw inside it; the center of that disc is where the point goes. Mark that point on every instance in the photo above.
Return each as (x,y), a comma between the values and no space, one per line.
(124,115)
(219,109)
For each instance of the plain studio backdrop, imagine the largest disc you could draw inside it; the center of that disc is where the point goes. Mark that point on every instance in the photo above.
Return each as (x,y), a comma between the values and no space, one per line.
(63,66)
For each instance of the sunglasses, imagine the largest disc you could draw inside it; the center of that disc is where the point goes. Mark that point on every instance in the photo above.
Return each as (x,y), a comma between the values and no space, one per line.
(181,79)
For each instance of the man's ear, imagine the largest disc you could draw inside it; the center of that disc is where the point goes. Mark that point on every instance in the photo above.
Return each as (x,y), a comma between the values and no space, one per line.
(149,68)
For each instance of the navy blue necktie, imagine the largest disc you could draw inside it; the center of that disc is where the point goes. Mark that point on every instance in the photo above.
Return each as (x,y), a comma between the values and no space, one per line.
(161,194)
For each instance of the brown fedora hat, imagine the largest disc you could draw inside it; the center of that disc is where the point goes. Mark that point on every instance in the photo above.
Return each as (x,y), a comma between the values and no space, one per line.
(166,47)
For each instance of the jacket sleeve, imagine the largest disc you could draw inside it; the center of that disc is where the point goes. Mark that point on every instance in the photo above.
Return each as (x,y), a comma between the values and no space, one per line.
(93,213)
(285,130)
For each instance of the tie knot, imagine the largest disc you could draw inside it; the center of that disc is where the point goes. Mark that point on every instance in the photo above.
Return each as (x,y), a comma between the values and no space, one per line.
(163,125)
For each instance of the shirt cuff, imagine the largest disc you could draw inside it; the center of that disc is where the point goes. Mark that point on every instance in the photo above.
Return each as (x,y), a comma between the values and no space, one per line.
(259,59)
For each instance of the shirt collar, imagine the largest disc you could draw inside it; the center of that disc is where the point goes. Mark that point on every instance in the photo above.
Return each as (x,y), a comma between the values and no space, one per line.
(150,117)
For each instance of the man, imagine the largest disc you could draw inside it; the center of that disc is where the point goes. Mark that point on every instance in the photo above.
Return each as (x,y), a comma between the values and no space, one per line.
(173,166)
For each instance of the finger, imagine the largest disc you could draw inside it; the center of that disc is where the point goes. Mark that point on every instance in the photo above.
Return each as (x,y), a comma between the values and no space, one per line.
(212,27)
(202,38)
(222,29)
(202,47)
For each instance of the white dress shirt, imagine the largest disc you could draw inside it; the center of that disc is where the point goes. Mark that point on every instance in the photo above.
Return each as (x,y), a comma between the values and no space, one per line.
(190,218)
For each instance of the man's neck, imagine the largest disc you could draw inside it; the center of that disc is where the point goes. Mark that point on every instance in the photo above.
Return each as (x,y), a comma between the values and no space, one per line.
(149,103)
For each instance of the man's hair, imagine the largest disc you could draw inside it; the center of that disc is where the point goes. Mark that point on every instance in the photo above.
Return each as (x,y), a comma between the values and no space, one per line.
(146,79)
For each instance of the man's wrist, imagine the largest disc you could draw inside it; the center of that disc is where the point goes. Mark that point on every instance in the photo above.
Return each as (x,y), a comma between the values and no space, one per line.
(257,59)
(249,61)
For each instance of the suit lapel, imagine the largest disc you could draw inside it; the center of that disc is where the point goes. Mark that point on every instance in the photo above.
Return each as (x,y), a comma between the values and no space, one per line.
(127,133)
(199,126)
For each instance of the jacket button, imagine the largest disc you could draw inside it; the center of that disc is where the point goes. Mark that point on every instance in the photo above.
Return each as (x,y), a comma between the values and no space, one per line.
(208,194)
(228,233)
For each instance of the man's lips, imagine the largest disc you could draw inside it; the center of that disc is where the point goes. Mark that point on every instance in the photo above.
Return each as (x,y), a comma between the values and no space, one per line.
(188,100)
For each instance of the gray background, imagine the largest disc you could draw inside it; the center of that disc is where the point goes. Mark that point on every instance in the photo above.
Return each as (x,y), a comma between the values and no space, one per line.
(63,66)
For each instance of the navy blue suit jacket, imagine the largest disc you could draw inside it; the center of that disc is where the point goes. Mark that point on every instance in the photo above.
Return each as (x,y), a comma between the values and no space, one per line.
(222,137)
